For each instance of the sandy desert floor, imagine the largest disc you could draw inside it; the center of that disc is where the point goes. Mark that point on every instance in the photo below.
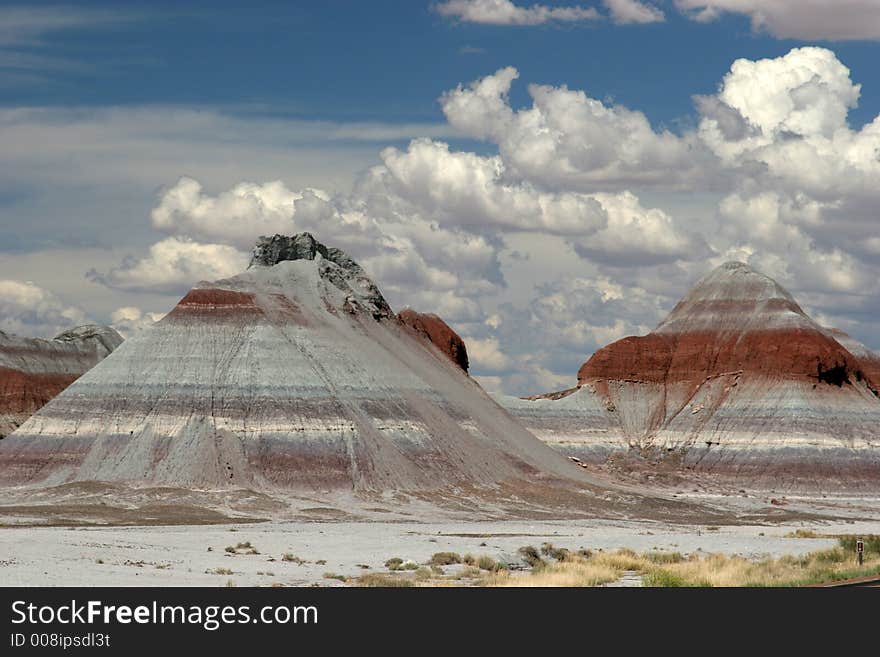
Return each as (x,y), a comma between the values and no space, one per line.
(197,555)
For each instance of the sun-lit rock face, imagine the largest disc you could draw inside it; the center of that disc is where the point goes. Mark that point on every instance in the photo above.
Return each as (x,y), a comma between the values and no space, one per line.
(294,375)
(736,381)
(734,320)
(33,370)
(438,333)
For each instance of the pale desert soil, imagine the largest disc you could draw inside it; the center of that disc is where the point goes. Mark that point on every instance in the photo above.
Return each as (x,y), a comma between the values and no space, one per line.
(180,556)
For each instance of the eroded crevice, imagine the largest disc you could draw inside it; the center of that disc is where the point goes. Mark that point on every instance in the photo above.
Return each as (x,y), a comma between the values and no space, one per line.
(836,375)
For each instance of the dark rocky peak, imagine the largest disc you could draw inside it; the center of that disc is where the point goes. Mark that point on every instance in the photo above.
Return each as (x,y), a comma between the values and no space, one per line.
(270,251)
(335,267)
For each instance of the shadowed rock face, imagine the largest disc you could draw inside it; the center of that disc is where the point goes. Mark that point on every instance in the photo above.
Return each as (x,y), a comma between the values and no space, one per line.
(736,381)
(438,333)
(33,370)
(869,361)
(294,375)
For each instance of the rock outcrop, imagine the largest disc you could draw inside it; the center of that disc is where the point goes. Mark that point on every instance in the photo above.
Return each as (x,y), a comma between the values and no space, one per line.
(737,382)
(292,376)
(33,370)
(869,361)
(438,333)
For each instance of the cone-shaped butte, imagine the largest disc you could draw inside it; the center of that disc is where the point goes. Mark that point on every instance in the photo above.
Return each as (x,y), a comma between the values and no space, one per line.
(33,370)
(737,381)
(292,376)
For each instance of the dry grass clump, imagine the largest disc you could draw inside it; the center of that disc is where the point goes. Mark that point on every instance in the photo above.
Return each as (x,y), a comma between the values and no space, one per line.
(664,557)
(721,570)
(445,558)
(871,541)
(667,569)
(674,569)
(488,563)
(532,557)
(622,560)
(241,548)
(802,533)
(560,554)
(287,556)
(384,580)
(572,573)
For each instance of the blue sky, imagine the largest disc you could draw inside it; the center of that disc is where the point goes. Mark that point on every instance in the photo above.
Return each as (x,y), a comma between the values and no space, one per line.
(127,128)
(381,60)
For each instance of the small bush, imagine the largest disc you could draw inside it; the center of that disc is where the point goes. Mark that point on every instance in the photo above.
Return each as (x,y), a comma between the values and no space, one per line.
(221,571)
(287,556)
(871,543)
(663,578)
(394,563)
(664,557)
(341,578)
(488,563)
(560,554)
(469,559)
(383,580)
(834,555)
(802,533)
(445,558)
(468,572)
(531,556)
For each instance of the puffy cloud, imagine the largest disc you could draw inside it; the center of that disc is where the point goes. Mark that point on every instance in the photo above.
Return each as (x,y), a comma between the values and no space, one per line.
(806,181)
(581,222)
(130,320)
(505,12)
(486,354)
(624,12)
(796,19)
(782,107)
(427,222)
(469,190)
(638,235)
(567,140)
(234,216)
(31,311)
(173,265)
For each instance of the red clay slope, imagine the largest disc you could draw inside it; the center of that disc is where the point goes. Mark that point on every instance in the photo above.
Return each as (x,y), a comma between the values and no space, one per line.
(734,320)
(33,371)
(438,333)
(738,382)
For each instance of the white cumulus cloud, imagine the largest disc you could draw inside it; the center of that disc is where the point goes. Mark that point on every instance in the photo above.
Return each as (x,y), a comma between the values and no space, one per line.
(129,320)
(505,12)
(31,311)
(625,12)
(833,20)
(568,140)
(173,265)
